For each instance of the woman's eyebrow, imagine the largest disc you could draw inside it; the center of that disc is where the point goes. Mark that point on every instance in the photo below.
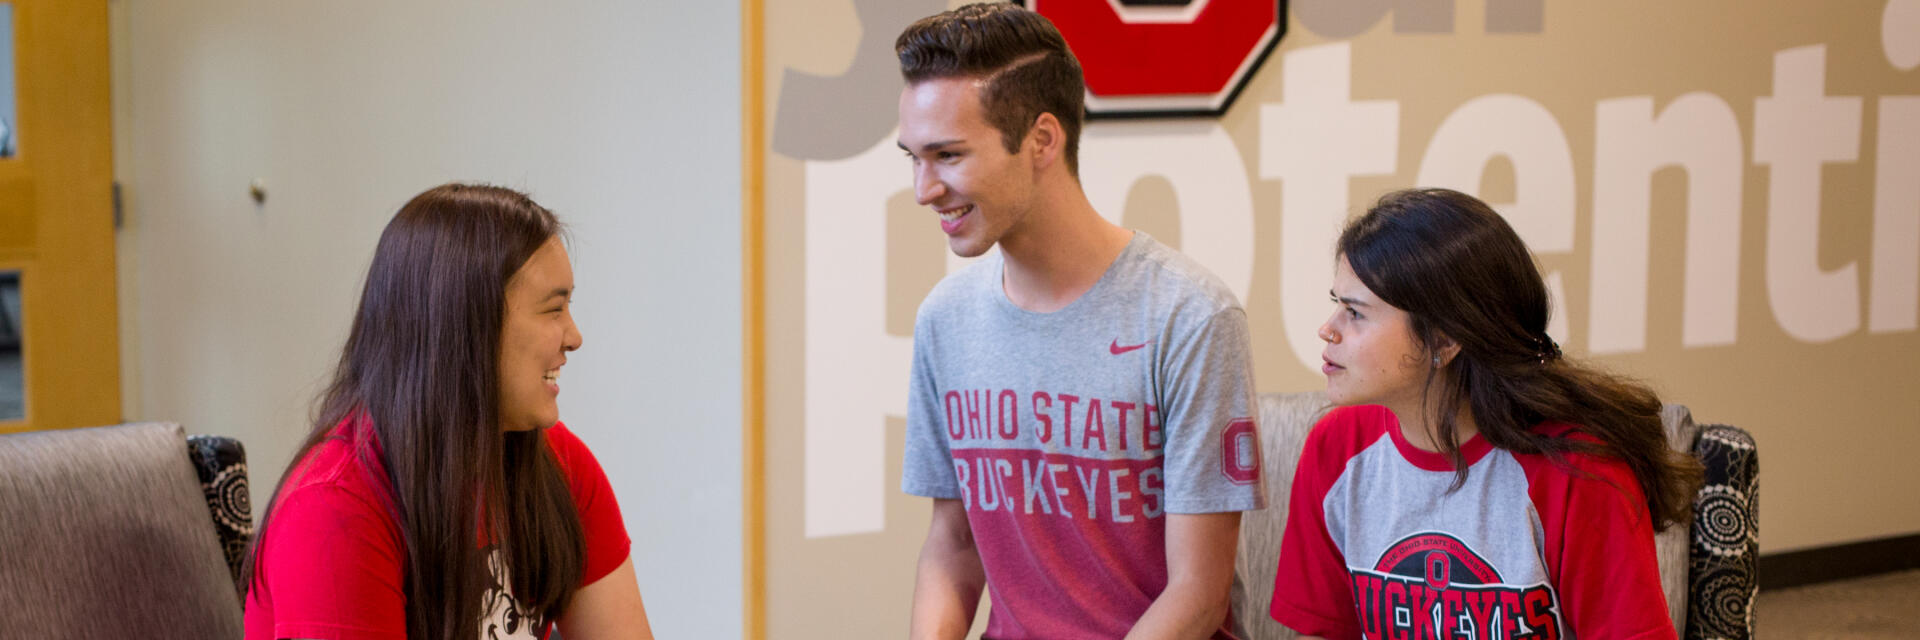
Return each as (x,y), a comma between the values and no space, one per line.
(1345,301)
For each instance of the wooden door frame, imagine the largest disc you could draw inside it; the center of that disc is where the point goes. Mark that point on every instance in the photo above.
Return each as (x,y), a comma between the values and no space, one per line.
(62,176)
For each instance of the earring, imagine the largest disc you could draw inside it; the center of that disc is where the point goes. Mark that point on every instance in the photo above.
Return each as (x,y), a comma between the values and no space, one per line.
(1436,362)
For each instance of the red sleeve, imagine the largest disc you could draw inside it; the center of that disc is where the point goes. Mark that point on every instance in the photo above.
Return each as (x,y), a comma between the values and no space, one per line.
(600,520)
(332,567)
(1600,553)
(1311,589)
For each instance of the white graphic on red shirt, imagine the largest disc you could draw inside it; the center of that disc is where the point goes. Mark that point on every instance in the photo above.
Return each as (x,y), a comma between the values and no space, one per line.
(502,618)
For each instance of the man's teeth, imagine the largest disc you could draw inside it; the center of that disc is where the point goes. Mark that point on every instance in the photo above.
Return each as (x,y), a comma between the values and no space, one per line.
(950,216)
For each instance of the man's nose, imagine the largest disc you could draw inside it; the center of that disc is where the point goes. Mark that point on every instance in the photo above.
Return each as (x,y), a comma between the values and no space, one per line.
(927,188)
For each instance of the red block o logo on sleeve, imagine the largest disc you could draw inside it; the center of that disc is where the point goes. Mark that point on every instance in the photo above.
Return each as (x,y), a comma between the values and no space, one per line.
(1240,452)
(1147,58)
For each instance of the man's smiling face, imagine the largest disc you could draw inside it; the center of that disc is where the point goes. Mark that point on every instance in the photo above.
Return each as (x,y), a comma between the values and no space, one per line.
(961,168)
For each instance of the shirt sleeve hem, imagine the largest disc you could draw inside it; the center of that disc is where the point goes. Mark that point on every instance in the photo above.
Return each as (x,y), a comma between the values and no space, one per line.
(328,631)
(1248,503)
(590,575)
(1305,622)
(1663,633)
(930,491)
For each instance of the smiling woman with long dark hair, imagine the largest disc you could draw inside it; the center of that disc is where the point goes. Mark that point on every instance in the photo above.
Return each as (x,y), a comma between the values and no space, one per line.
(1472,478)
(438,497)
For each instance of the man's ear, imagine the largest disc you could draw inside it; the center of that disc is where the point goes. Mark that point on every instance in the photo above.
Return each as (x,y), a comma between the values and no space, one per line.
(1046,140)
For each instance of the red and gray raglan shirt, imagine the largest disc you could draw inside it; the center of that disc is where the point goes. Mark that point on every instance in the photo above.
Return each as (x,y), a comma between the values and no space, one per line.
(1378,546)
(1069,436)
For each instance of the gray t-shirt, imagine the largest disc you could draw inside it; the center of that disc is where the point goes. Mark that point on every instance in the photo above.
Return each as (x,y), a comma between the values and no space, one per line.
(1069,435)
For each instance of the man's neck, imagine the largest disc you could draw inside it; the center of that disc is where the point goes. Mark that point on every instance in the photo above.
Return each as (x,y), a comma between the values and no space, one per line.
(1062,250)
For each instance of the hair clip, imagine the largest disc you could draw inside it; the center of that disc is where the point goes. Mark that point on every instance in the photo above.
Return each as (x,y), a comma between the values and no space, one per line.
(1548,349)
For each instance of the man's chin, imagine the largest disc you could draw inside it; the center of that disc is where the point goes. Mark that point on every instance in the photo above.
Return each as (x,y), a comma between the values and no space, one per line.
(967,247)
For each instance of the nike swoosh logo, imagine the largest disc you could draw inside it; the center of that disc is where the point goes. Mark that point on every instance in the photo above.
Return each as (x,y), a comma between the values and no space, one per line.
(1116,349)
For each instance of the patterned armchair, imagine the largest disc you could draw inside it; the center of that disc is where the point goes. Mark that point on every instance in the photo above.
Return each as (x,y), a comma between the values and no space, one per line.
(221,464)
(1708,569)
(107,532)
(1723,557)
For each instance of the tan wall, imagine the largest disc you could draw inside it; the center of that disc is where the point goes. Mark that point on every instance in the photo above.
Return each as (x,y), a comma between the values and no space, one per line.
(1784,315)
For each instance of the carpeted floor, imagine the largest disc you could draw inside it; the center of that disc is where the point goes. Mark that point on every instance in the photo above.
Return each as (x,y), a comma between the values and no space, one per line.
(1885,606)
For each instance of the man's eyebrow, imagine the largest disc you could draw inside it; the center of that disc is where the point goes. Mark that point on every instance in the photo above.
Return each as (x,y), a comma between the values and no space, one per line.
(1346,301)
(931,146)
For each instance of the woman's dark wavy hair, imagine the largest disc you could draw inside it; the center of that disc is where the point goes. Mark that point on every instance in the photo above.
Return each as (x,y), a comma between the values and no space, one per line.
(421,367)
(1462,274)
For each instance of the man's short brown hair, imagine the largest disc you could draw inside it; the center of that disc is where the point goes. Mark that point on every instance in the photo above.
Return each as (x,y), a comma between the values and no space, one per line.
(1024,64)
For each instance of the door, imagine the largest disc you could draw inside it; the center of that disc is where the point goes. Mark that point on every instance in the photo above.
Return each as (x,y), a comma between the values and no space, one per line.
(59,340)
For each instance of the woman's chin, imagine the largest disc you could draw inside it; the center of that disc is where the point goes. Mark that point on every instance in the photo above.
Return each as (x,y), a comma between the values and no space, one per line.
(529,424)
(1342,398)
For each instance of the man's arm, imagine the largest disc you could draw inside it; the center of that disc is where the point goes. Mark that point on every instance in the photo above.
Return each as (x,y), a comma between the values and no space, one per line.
(946,591)
(1200,550)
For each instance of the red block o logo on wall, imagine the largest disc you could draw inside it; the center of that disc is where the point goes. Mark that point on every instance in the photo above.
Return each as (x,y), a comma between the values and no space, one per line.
(1159,58)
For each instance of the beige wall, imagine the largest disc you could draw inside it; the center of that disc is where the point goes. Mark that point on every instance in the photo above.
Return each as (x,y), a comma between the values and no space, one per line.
(1770,284)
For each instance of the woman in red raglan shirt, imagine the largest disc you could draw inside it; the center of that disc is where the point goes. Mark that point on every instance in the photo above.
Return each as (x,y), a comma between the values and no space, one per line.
(438,497)
(1471,482)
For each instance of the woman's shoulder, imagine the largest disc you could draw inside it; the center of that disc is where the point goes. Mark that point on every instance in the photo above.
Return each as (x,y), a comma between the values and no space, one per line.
(337,459)
(1361,421)
(334,471)
(1580,465)
(565,445)
(577,462)
(1344,431)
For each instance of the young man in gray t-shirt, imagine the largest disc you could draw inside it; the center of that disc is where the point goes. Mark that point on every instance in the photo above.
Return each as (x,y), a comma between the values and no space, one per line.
(1081,408)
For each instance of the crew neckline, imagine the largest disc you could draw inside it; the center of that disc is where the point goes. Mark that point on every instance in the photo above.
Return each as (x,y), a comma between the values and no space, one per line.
(1135,245)
(1471,451)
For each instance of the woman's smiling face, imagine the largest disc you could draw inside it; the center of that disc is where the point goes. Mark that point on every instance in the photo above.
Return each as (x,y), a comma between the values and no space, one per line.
(535,336)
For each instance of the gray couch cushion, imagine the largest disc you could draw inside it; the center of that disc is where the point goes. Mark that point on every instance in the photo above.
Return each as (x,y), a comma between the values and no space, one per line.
(1670,546)
(106,535)
(1285,420)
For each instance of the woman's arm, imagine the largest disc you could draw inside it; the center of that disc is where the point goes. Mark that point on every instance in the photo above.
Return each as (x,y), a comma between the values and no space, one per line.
(610,608)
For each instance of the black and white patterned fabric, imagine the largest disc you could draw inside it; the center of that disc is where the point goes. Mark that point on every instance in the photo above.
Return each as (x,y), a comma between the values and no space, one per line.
(222,465)
(1725,552)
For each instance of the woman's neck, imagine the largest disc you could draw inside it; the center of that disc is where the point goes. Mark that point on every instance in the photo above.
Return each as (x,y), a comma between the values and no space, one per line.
(1421,431)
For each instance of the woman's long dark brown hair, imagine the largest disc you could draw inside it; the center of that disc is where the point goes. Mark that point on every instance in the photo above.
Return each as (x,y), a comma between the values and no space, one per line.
(421,365)
(1462,274)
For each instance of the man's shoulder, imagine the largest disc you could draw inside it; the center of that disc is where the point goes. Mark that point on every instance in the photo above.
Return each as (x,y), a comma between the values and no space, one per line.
(1165,271)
